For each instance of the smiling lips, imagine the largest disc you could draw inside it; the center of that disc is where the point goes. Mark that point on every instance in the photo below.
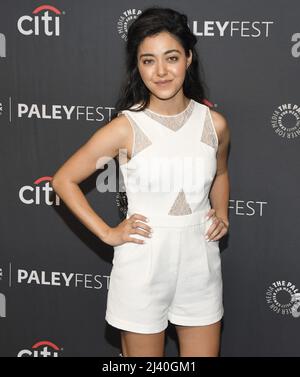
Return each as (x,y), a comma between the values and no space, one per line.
(165,82)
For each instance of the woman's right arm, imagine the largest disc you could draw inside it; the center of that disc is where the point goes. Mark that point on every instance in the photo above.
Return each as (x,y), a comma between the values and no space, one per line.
(104,143)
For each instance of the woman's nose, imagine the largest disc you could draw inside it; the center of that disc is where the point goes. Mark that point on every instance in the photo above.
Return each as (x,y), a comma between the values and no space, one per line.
(161,68)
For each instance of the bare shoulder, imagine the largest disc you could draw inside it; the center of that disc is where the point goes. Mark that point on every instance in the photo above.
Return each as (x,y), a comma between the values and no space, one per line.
(221,125)
(103,145)
(115,134)
(109,138)
(120,131)
(120,126)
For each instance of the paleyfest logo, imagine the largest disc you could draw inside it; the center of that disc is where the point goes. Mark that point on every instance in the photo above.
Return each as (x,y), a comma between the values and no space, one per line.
(42,22)
(284,298)
(128,16)
(286,121)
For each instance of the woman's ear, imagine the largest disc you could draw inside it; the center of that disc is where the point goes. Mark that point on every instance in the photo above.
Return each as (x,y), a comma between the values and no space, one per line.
(189,59)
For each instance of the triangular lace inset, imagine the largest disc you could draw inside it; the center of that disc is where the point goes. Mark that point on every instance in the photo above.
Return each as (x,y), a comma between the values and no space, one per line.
(173,122)
(140,139)
(208,134)
(180,206)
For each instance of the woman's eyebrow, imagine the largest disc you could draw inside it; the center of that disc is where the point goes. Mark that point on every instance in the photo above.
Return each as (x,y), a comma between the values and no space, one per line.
(166,52)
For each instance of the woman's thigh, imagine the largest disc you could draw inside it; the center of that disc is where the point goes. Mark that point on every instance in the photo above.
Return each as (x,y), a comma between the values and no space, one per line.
(196,341)
(137,344)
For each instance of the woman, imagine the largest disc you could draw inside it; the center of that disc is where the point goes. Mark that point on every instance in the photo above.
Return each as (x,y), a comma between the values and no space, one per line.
(163,268)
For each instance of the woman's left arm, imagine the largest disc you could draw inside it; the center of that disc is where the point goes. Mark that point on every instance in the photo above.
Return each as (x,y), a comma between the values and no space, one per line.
(219,193)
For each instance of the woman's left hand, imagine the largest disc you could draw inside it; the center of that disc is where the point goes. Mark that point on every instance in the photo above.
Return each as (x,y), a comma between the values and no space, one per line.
(218,228)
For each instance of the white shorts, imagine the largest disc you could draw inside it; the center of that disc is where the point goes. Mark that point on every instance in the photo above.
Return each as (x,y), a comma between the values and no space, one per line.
(175,276)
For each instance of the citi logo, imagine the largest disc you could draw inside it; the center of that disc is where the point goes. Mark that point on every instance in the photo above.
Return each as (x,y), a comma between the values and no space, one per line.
(41,349)
(2,46)
(41,22)
(39,193)
(2,306)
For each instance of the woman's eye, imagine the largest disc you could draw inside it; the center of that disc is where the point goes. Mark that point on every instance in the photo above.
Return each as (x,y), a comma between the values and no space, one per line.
(173,58)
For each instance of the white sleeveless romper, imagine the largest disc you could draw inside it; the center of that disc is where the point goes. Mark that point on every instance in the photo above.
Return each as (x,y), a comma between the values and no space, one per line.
(176,274)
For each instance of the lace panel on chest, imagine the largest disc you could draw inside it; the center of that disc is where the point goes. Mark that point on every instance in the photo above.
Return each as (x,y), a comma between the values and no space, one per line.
(173,122)
(180,205)
(208,134)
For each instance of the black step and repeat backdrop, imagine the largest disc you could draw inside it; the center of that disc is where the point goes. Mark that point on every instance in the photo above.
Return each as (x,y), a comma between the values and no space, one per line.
(61,65)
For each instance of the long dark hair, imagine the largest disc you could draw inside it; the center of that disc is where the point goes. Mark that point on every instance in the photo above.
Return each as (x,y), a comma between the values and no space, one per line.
(150,22)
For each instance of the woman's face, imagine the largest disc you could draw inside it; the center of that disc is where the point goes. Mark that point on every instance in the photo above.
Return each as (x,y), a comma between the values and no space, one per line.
(156,63)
